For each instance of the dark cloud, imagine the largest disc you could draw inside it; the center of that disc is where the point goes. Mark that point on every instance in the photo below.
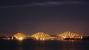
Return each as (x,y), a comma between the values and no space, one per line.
(50,3)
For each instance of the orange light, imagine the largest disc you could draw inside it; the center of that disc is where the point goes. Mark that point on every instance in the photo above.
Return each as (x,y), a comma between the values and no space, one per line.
(70,35)
(20,38)
(41,36)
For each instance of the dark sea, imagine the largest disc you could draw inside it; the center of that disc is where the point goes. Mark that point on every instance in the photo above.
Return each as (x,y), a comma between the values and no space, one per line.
(44,45)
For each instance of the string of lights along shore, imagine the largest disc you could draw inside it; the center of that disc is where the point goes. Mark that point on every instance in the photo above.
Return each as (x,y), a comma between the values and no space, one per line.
(42,36)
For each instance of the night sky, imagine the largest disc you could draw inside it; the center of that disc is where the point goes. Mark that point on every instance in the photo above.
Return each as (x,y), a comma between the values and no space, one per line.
(50,16)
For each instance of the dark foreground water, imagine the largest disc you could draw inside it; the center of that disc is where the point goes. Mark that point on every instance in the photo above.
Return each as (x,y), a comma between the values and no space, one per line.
(44,45)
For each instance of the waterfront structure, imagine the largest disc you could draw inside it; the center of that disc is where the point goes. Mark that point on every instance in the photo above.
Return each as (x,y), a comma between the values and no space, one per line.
(41,36)
(69,35)
(19,36)
(45,36)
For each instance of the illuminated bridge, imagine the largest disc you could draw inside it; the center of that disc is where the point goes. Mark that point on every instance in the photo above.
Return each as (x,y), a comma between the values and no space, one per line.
(41,36)
(45,36)
(69,35)
(19,36)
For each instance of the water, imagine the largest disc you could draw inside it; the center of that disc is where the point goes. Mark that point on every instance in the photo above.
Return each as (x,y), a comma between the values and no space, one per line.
(48,45)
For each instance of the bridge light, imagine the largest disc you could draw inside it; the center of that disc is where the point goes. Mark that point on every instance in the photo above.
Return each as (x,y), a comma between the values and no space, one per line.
(20,36)
(41,36)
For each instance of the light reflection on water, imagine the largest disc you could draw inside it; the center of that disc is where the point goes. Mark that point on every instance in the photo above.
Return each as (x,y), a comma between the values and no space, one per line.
(64,45)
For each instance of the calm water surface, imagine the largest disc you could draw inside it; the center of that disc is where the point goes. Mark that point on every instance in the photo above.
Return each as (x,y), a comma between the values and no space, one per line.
(60,45)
